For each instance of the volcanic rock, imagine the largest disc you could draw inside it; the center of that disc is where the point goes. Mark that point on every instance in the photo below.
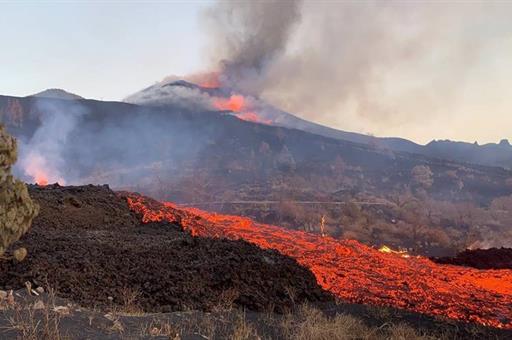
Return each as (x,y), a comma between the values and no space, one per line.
(493,258)
(100,249)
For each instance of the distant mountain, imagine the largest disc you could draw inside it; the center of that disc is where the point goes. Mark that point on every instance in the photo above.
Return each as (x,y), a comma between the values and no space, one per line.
(186,94)
(209,156)
(57,94)
(204,154)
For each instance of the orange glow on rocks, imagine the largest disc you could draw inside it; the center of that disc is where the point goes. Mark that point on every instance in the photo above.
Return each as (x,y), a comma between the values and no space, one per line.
(358,273)
(235,103)
(253,117)
(43,181)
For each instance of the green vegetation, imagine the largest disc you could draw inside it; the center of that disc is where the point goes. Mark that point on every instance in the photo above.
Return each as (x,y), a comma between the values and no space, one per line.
(16,208)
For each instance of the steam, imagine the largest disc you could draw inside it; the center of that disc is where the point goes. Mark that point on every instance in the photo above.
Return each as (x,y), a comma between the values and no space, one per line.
(247,37)
(122,145)
(388,68)
(41,157)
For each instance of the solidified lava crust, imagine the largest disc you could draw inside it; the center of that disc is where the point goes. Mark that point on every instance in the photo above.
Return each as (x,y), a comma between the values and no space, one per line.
(492,258)
(89,246)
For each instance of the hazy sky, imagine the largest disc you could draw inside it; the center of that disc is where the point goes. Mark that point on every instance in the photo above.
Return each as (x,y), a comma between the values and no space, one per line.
(419,70)
(97,49)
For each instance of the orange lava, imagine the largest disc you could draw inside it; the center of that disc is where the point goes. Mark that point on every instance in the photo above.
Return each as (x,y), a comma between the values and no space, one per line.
(358,273)
(235,103)
(253,117)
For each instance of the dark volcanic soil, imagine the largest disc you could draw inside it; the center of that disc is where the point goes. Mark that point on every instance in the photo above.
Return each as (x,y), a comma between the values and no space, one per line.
(89,246)
(493,258)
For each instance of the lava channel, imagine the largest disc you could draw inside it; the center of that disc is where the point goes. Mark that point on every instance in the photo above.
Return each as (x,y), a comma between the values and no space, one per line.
(358,273)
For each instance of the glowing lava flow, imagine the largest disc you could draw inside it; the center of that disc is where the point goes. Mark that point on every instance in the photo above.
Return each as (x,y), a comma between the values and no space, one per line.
(386,249)
(359,273)
(237,104)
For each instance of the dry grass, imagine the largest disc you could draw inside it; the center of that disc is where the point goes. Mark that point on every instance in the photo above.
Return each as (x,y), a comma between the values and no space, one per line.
(130,302)
(35,321)
(311,323)
(404,332)
(308,323)
(243,330)
(226,300)
(159,328)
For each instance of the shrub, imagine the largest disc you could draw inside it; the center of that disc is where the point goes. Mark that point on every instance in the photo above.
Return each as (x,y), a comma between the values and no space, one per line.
(16,208)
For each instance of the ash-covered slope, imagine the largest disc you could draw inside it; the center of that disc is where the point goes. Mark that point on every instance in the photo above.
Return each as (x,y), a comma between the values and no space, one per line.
(198,155)
(88,246)
(180,92)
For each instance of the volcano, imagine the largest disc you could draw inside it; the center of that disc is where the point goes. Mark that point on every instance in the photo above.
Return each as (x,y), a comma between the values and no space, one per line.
(196,156)
(172,91)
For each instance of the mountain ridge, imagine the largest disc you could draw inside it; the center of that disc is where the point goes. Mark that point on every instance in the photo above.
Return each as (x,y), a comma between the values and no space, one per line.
(57,94)
(492,154)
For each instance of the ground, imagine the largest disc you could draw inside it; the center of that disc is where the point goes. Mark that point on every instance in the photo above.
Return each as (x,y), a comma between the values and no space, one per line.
(106,275)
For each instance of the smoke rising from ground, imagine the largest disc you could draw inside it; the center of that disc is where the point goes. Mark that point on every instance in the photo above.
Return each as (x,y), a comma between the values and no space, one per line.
(41,158)
(123,146)
(414,70)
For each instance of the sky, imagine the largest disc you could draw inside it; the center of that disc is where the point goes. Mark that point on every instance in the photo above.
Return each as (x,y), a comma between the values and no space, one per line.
(418,70)
(97,49)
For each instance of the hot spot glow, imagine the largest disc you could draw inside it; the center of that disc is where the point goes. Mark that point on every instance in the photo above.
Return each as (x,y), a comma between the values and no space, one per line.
(253,117)
(235,103)
(238,104)
(34,166)
(41,180)
(386,249)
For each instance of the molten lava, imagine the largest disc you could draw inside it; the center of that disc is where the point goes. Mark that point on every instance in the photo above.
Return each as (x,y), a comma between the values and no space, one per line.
(235,103)
(253,117)
(358,273)
(386,249)
(238,104)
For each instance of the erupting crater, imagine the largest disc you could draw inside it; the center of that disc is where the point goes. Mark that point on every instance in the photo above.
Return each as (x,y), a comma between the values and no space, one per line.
(358,273)
(238,104)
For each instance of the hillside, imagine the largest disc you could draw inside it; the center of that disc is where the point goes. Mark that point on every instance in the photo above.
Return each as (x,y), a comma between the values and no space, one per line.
(278,175)
(180,92)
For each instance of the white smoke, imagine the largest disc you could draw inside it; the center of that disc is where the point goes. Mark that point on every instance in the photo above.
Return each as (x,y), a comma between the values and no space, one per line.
(41,158)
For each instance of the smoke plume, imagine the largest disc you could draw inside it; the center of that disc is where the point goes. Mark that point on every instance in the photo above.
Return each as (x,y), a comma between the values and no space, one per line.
(41,157)
(248,37)
(390,68)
